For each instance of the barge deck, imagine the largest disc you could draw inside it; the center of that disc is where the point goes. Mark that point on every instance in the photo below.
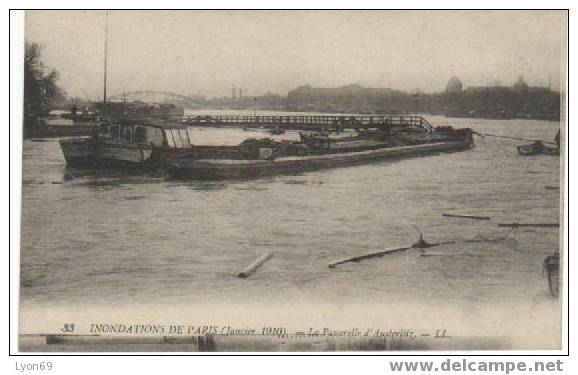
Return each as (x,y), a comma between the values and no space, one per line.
(242,168)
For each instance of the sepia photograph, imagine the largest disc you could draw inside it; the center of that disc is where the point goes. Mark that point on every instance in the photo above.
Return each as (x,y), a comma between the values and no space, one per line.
(293,181)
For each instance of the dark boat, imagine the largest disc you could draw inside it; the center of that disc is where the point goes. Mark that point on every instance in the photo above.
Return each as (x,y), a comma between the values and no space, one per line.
(538,148)
(316,153)
(138,145)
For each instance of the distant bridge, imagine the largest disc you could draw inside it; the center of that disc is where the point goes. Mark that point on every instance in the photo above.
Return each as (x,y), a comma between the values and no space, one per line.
(152,96)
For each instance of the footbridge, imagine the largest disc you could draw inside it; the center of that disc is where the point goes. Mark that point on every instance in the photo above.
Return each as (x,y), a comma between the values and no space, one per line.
(306,122)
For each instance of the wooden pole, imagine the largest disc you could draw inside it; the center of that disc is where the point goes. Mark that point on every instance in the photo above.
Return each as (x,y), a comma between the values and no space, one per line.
(467,216)
(253,266)
(536,225)
(420,244)
(370,255)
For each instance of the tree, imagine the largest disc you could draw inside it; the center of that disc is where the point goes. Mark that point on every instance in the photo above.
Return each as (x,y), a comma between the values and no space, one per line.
(40,88)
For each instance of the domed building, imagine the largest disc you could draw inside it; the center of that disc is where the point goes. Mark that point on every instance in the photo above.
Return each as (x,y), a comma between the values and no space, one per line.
(521,85)
(454,85)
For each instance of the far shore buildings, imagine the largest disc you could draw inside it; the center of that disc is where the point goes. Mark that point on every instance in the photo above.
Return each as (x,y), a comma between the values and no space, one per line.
(495,101)
(350,98)
(517,101)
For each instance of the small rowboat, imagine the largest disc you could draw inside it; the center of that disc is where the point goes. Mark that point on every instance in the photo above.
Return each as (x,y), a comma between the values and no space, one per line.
(538,148)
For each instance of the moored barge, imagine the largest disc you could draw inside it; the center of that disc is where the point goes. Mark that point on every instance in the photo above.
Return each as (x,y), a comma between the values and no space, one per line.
(318,152)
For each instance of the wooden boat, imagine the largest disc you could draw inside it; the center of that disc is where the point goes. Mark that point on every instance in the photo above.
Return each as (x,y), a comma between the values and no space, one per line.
(267,163)
(127,145)
(538,148)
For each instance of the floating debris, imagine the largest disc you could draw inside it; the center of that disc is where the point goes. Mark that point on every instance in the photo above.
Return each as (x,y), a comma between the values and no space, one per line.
(253,266)
(468,216)
(370,255)
(135,197)
(420,244)
(432,254)
(536,225)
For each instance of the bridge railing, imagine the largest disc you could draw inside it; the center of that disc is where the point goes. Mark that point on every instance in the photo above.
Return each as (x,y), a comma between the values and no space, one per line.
(311,121)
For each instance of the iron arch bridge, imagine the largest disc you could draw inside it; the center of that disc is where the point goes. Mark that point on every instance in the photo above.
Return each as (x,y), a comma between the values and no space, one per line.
(151,96)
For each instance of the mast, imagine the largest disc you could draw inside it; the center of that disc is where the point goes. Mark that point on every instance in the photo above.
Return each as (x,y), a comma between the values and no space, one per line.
(105,55)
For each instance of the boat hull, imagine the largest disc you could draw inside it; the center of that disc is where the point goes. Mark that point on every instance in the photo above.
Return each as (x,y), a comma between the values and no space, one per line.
(88,153)
(537,149)
(235,169)
(78,152)
(123,154)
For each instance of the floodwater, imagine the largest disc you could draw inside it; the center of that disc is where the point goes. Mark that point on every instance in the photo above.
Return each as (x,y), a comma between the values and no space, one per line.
(112,240)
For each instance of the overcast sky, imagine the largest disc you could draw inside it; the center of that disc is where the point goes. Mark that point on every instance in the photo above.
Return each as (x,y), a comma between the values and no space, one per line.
(202,52)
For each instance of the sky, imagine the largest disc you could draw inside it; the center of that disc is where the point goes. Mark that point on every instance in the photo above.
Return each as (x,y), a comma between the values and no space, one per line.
(206,52)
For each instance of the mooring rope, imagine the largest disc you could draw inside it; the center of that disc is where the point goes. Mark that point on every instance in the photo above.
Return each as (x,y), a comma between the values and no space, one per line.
(508,137)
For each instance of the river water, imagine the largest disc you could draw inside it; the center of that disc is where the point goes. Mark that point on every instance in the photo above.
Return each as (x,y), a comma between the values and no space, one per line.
(113,241)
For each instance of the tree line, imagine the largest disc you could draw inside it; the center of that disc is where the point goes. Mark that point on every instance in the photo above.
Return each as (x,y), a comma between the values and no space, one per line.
(40,88)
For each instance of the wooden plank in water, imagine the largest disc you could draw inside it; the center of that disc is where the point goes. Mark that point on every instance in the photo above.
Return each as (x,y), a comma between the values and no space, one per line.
(468,216)
(253,266)
(370,255)
(536,225)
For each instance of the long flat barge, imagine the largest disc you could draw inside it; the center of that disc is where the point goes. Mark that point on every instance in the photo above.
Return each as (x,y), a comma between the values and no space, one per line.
(241,168)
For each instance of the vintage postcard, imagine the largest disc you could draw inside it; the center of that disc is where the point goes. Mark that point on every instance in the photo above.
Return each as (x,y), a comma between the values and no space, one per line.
(292,181)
